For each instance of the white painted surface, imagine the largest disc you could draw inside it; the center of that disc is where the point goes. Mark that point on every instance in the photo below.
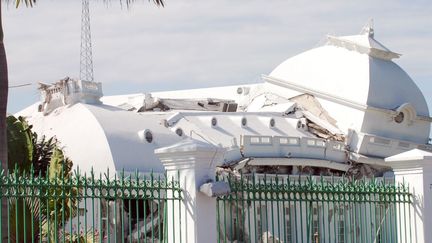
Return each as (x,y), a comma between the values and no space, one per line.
(100,136)
(193,163)
(103,137)
(365,44)
(415,156)
(382,147)
(328,69)
(80,135)
(293,147)
(356,80)
(414,168)
(122,130)
(298,162)
(353,76)
(383,125)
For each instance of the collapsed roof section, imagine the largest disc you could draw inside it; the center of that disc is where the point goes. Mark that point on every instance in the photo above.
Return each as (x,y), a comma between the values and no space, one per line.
(209,104)
(292,133)
(339,108)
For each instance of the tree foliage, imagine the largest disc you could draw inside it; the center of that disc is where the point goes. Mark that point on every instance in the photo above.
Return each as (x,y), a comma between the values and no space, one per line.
(29,156)
(26,150)
(20,143)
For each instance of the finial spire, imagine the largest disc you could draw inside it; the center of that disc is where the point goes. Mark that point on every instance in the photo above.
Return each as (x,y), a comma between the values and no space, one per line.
(368,28)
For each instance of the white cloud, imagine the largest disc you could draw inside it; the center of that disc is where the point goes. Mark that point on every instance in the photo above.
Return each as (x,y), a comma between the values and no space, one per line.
(200,43)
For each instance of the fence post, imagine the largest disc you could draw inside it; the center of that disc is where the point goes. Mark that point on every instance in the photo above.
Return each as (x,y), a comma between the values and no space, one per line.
(192,163)
(414,169)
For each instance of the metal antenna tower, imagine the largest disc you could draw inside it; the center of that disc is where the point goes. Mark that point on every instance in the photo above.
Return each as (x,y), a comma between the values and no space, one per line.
(86,60)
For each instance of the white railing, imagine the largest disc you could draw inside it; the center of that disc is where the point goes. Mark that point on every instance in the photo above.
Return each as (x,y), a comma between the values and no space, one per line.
(385,147)
(295,147)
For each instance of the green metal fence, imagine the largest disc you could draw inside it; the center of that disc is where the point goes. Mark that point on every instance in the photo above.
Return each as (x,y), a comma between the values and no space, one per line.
(264,208)
(87,207)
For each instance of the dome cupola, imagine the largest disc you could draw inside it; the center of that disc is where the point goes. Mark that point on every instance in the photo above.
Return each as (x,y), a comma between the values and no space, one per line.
(357,72)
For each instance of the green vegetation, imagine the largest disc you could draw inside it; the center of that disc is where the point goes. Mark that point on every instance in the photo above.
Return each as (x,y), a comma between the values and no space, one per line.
(32,157)
(26,150)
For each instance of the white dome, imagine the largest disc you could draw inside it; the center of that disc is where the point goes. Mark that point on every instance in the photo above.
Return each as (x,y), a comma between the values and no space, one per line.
(357,69)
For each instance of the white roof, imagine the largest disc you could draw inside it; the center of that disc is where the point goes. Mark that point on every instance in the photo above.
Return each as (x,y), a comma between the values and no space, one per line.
(415,158)
(101,136)
(363,43)
(356,76)
(225,92)
(187,145)
(414,154)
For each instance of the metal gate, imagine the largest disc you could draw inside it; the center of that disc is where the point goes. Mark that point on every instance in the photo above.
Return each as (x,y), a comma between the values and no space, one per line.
(87,208)
(270,208)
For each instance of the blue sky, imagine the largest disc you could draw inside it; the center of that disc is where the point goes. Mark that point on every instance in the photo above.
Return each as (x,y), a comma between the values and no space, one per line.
(196,43)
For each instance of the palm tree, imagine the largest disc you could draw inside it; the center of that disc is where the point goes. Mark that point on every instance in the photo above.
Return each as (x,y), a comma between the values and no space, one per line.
(4,83)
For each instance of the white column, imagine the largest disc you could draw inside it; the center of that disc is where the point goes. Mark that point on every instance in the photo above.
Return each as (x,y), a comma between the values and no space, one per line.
(414,168)
(192,163)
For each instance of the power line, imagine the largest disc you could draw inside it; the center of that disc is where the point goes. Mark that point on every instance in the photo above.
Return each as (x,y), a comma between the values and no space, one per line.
(19,85)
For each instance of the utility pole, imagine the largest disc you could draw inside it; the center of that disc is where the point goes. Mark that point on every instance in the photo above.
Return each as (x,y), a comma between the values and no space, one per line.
(86,60)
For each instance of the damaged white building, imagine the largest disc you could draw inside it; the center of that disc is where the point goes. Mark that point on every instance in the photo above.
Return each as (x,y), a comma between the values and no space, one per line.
(338,109)
(341,104)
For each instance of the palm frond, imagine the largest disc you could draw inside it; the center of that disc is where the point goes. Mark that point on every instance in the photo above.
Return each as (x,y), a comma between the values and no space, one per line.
(130,2)
(28,3)
(31,3)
